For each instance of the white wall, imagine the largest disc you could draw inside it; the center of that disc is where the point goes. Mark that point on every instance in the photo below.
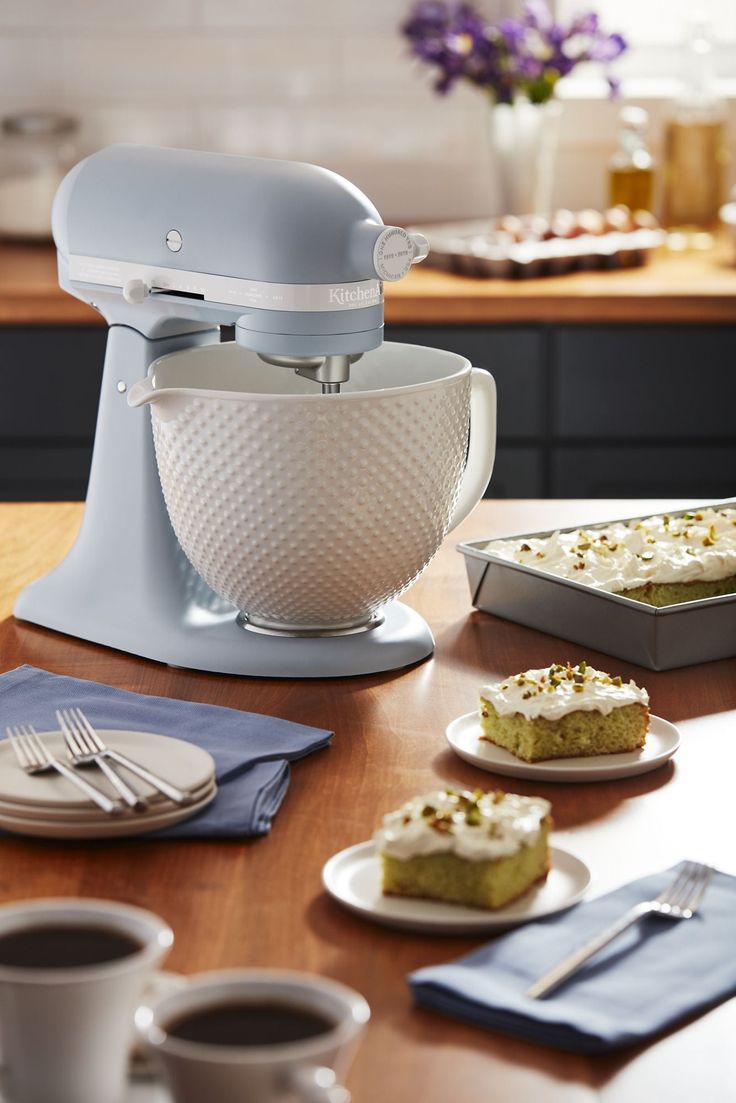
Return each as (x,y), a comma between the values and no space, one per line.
(321,80)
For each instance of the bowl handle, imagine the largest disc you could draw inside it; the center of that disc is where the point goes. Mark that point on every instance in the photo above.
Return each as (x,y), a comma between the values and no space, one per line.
(481,445)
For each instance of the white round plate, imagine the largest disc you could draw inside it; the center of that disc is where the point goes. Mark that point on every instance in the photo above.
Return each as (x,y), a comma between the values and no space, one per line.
(90,813)
(183,764)
(663,739)
(107,827)
(353,877)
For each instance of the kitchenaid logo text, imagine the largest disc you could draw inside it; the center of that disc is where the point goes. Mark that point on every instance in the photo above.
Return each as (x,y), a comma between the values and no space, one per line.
(346,296)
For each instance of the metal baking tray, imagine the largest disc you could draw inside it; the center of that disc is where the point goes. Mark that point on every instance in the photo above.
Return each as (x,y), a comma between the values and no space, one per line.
(659,639)
(472,249)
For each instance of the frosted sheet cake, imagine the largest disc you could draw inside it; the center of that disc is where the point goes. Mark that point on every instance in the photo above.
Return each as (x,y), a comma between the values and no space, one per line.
(661,560)
(564,711)
(474,848)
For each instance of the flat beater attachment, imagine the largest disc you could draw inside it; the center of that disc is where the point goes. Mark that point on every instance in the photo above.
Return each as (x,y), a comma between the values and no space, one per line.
(329,371)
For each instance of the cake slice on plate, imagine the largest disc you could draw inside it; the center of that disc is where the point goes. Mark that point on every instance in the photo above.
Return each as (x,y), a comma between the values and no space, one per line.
(474,848)
(564,711)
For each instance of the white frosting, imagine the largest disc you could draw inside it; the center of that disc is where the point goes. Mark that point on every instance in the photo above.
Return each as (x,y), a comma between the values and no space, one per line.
(556,691)
(695,546)
(475,826)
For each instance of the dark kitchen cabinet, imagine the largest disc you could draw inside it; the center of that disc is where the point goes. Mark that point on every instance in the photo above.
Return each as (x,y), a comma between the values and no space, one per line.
(583,411)
(605,411)
(50,384)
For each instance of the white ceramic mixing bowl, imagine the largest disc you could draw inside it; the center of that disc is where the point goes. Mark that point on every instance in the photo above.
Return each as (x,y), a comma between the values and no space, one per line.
(307,511)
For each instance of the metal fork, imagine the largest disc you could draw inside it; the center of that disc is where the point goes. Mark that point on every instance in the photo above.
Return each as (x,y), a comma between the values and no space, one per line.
(679,900)
(34,757)
(83,752)
(179,796)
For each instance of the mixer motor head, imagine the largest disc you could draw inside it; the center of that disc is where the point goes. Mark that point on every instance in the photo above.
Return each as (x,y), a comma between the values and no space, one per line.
(169,241)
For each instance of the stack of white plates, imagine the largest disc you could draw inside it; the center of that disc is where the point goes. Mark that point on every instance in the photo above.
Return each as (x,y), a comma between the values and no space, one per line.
(49,806)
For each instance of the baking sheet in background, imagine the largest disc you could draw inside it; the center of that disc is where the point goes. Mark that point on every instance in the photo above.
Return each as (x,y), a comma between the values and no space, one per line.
(658,639)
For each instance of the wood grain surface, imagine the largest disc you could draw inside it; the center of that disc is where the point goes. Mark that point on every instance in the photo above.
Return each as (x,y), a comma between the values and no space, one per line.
(678,288)
(260,902)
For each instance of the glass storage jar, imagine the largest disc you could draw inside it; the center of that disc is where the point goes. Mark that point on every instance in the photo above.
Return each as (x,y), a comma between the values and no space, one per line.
(36,150)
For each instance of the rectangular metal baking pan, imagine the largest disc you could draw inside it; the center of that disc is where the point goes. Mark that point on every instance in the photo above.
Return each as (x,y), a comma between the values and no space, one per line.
(659,639)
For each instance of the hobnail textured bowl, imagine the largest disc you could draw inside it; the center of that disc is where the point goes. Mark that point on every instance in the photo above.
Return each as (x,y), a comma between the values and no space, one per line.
(309,511)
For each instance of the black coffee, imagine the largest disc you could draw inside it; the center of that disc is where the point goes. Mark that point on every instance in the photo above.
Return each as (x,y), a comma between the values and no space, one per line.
(249,1024)
(55,946)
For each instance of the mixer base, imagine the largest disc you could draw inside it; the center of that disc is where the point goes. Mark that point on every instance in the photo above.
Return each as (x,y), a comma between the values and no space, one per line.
(403,638)
(213,641)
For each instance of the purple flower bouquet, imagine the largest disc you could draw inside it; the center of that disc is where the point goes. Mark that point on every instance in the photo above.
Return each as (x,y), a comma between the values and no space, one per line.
(513,58)
(517,63)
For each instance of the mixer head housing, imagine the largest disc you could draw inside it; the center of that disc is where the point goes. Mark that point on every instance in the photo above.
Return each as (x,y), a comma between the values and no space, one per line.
(293,254)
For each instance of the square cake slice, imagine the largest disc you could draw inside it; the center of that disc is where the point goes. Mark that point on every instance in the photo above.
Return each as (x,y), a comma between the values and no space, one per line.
(564,711)
(474,848)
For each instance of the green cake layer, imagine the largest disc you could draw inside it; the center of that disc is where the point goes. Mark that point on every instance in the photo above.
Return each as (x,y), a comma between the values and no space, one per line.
(478,884)
(585,732)
(673,593)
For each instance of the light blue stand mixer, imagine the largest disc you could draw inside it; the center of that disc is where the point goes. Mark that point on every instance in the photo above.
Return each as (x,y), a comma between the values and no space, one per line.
(304,488)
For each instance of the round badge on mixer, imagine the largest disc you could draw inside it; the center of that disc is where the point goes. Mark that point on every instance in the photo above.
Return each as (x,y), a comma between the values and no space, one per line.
(393,253)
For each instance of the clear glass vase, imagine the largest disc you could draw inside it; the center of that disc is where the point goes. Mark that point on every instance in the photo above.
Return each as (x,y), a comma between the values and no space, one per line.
(523,138)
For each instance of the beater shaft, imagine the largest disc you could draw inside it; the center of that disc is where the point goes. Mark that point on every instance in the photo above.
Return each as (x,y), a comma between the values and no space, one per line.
(329,371)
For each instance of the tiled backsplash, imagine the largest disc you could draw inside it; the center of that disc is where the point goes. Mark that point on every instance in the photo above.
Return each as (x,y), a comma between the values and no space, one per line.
(320,80)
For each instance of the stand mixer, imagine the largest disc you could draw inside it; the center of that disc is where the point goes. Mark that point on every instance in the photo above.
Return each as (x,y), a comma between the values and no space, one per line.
(169,245)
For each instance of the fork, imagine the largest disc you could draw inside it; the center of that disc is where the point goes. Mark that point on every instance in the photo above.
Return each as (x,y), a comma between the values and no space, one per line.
(83,752)
(179,796)
(34,757)
(679,900)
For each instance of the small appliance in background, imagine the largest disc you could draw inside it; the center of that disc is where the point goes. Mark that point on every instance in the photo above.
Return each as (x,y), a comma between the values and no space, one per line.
(631,168)
(310,473)
(36,150)
(695,149)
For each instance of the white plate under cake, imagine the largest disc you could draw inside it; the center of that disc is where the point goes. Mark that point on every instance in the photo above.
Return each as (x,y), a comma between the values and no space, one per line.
(353,878)
(663,739)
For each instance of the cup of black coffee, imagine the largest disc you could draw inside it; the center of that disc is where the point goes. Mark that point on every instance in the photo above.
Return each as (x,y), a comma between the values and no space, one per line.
(72,973)
(265,1035)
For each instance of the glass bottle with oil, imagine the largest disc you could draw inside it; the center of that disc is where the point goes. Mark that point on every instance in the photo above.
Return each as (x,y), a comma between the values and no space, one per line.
(695,150)
(631,168)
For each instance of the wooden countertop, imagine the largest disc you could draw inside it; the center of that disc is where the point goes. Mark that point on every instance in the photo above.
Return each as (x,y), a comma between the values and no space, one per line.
(260,902)
(698,287)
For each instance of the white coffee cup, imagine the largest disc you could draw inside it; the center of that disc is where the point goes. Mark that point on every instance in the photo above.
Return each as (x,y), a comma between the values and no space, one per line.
(309,1069)
(66,1032)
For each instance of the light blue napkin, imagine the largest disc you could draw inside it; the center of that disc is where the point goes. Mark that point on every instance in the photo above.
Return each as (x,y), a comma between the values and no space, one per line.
(655,975)
(251,752)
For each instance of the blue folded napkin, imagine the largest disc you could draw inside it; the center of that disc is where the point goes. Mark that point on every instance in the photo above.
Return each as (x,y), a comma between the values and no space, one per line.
(251,752)
(650,978)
